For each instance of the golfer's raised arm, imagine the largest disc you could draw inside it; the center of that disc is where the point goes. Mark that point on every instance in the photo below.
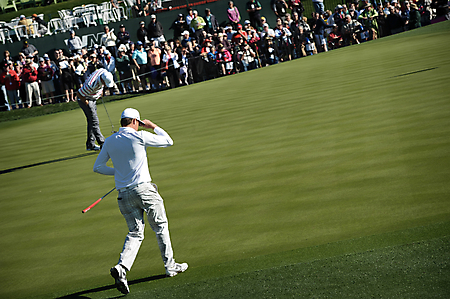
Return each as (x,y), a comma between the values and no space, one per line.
(161,139)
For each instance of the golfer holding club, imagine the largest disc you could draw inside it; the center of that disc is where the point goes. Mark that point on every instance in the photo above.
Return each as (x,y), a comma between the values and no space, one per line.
(88,95)
(137,193)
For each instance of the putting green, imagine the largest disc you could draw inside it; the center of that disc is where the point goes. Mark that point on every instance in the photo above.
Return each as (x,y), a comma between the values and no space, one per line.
(337,146)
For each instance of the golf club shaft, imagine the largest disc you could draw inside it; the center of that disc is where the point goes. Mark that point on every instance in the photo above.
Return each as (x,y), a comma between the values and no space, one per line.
(97,201)
(112,126)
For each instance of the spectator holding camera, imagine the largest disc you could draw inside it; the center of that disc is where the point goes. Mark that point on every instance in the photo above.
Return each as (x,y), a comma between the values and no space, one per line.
(350,31)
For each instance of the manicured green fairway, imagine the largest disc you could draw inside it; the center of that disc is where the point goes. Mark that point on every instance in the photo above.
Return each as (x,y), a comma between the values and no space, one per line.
(277,179)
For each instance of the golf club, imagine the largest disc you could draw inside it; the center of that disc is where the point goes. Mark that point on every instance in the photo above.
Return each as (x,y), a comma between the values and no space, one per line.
(112,126)
(97,201)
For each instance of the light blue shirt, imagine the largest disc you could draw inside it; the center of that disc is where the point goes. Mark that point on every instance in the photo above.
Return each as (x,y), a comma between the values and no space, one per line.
(140,56)
(127,151)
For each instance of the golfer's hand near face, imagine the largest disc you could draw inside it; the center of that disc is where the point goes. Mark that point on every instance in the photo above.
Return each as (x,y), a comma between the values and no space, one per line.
(137,194)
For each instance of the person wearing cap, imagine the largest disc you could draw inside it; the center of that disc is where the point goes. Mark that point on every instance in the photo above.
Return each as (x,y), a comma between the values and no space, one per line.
(369,19)
(124,70)
(29,77)
(123,37)
(138,195)
(155,31)
(139,58)
(88,95)
(28,49)
(253,9)
(74,43)
(186,38)
(109,63)
(142,33)
(211,22)
(238,35)
(414,17)
(179,26)
(45,75)
(42,27)
(233,14)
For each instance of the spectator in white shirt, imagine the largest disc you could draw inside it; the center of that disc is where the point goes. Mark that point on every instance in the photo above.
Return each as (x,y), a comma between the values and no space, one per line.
(109,41)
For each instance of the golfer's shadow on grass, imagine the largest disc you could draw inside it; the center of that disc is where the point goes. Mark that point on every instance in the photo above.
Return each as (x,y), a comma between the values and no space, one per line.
(48,162)
(84,294)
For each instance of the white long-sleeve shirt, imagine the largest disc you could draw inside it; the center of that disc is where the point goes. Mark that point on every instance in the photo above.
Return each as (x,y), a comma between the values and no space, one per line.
(127,151)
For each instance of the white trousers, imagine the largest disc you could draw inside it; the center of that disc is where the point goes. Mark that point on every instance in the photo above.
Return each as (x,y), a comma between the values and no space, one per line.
(33,88)
(133,203)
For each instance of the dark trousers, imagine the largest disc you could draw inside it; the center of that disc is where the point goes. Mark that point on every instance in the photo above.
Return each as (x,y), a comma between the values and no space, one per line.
(93,124)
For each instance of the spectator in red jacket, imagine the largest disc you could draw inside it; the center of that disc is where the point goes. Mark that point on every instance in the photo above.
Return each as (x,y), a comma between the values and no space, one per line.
(29,77)
(11,80)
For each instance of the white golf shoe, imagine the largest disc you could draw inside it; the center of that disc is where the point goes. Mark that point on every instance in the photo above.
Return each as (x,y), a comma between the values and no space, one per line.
(119,274)
(178,268)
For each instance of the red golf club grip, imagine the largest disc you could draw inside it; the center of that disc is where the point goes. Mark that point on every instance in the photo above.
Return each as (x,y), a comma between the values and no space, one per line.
(96,202)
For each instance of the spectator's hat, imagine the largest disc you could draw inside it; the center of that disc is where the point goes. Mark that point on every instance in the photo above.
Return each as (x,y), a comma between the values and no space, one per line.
(266,25)
(95,46)
(28,61)
(180,15)
(9,62)
(34,15)
(368,5)
(46,58)
(131,113)
(394,1)
(106,52)
(239,26)
(142,23)
(25,42)
(152,17)
(263,18)
(228,28)
(414,5)
(246,22)
(139,43)
(72,32)
(22,17)
(185,32)
(108,79)
(93,55)
(41,59)
(122,26)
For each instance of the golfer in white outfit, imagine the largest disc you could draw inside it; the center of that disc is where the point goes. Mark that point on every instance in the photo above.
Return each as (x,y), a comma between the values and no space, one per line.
(137,194)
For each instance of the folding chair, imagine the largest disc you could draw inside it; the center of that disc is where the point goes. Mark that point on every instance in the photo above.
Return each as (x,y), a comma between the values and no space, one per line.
(21,31)
(89,19)
(70,23)
(55,26)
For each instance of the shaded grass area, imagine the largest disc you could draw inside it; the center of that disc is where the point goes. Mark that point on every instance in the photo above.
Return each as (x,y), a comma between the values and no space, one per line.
(359,268)
(267,167)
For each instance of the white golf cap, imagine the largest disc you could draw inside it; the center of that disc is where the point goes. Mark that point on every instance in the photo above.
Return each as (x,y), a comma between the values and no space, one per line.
(108,79)
(132,113)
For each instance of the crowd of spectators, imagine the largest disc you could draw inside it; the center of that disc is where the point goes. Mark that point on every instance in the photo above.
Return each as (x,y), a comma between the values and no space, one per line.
(200,49)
